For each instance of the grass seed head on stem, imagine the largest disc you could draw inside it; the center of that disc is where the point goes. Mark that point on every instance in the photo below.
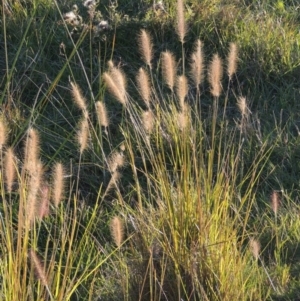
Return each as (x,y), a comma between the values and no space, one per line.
(275,201)
(215,76)
(146,47)
(143,84)
(255,247)
(168,69)
(3,134)
(148,121)
(196,64)
(32,149)
(58,184)
(102,114)
(79,100)
(181,25)
(182,89)
(10,166)
(232,60)
(116,83)
(37,264)
(83,134)
(117,230)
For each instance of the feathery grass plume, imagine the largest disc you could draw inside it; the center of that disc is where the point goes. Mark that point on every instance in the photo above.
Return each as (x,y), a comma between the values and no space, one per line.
(168,68)
(215,76)
(148,121)
(196,64)
(143,84)
(33,190)
(232,60)
(275,201)
(181,89)
(117,230)
(244,110)
(146,47)
(32,148)
(37,264)
(10,165)
(44,196)
(181,26)
(79,100)
(254,247)
(115,161)
(83,134)
(116,83)
(58,183)
(3,134)
(102,114)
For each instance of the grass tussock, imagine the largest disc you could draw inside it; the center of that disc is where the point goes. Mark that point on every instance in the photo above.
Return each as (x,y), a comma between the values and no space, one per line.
(146,168)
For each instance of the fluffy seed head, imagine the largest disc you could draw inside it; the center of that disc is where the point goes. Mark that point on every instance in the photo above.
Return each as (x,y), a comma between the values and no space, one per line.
(182,89)
(168,68)
(255,247)
(215,76)
(36,262)
(3,134)
(102,114)
(116,83)
(117,230)
(78,98)
(242,105)
(83,134)
(148,121)
(44,195)
(146,47)
(196,64)
(232,60)
(115,161)
(32,148)
(181,26)
(10,169)
(58,184)
(275,201)
(143,85)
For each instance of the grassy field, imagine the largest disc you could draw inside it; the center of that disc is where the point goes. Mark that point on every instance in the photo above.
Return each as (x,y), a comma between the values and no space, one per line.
(149,150)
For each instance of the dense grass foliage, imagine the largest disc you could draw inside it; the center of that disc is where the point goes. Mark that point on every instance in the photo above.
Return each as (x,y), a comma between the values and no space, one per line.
(149,150)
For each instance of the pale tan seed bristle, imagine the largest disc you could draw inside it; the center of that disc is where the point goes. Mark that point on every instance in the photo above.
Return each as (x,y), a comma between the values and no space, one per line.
(37,264)
(168,68)
(3,134)
(117,230)
(10,166)
(115,161)
(83,134)
(79,100)
(32,149)
(242,105)
(215,76)
(232,60)
(44,196)
(196,64)
(148,121)
(58,183)
(146,47)
(102,114)
(116,84)
(275,201)
(181,25)
(254,247)
(181,89)
(143,84)
(33,190)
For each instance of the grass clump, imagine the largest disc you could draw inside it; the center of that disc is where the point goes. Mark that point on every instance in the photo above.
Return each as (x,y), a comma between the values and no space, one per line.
(142,169)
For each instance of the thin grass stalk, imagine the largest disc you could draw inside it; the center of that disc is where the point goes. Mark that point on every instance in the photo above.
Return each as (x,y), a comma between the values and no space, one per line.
(181,29)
